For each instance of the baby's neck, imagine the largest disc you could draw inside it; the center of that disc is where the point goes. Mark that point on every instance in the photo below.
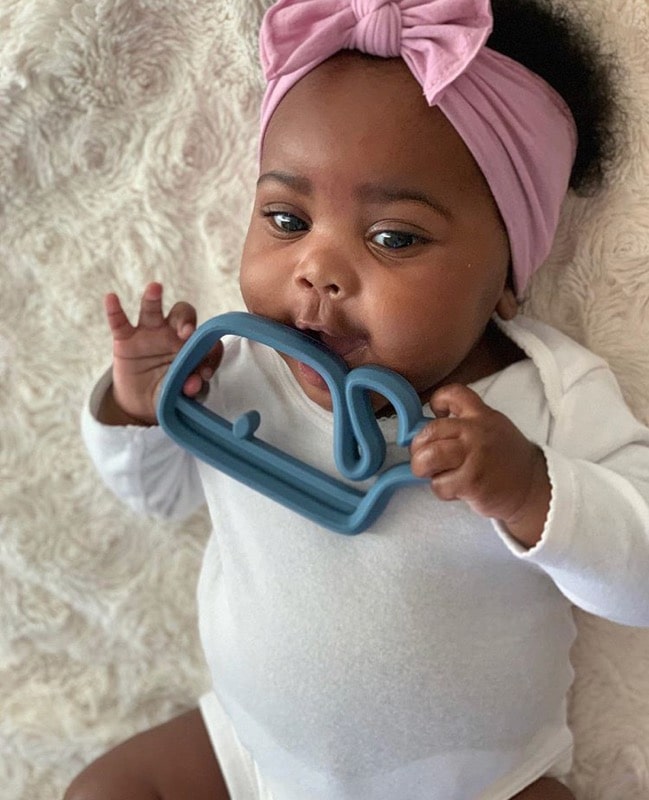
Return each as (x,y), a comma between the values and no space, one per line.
(494,352)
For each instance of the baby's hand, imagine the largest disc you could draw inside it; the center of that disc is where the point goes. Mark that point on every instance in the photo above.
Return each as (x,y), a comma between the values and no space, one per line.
(142,353)
(473,453)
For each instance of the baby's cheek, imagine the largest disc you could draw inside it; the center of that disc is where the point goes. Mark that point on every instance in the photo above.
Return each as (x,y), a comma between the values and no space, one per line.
(253,285)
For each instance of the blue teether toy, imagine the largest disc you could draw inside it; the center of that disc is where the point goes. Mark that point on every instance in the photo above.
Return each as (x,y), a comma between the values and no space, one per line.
(359,446)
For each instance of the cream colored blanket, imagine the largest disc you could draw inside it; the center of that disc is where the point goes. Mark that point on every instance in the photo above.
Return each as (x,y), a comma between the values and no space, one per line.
(127,153)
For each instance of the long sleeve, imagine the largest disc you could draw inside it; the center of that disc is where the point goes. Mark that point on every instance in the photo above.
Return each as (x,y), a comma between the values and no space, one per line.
(141,466)
(595,544)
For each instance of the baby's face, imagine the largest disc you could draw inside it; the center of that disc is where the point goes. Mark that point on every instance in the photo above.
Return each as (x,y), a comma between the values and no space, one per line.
(374,229)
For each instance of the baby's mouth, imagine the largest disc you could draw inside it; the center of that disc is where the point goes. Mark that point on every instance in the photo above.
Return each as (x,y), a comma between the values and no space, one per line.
(349,347)
(343,346)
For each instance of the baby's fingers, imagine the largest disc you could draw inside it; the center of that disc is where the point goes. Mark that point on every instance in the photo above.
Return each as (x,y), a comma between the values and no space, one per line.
(193,385)
(182,319)
(118,322)
(197,383)
(437,457)
(151,315)
(210,363)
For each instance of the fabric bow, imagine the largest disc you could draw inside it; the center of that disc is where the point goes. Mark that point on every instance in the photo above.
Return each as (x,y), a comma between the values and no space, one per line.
(438,39)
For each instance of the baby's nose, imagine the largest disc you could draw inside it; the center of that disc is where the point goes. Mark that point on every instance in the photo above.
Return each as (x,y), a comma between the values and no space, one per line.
(311,281)
(327,274)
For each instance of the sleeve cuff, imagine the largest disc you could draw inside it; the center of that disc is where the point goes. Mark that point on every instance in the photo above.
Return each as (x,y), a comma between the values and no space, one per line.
(119,452)
(554,543)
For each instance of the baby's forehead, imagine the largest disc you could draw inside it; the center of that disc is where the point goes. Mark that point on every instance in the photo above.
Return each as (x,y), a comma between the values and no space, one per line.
(350,91)
(367,108)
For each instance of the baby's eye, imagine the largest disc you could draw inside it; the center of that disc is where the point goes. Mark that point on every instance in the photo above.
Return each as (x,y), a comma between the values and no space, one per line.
(396,240)
(288,223)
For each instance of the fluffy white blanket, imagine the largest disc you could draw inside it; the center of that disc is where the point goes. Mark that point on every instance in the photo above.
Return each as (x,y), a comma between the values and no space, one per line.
(127,153)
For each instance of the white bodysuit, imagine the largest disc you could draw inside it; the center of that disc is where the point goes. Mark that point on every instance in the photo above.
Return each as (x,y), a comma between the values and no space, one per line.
(428,657)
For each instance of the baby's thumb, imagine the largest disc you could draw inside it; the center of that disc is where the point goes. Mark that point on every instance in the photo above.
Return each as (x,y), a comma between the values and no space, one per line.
(456,400)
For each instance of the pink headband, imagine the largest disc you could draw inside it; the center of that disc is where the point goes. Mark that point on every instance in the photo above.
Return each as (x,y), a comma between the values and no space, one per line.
(518,129)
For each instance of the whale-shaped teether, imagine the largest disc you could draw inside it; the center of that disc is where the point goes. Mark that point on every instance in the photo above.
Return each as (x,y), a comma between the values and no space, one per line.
(359,446)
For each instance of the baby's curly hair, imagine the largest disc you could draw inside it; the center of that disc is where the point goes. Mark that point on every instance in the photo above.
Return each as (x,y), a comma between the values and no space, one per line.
(552,44)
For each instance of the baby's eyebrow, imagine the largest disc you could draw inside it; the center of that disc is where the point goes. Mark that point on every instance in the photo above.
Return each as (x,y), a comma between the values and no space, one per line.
(295,182)
(377,193)
(368,192)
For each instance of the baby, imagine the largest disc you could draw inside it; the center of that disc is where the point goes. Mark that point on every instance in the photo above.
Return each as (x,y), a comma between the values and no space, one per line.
(411,176)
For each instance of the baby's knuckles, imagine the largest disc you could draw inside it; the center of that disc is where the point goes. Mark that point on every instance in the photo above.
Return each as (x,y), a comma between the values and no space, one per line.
(426,454)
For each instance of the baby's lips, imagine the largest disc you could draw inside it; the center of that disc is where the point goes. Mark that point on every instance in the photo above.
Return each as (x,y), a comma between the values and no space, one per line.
(342,345)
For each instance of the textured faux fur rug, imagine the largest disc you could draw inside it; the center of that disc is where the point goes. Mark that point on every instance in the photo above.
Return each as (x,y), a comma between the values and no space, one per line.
(127,153)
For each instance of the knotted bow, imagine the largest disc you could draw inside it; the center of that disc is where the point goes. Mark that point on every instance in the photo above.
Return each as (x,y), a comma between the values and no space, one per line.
(437,39)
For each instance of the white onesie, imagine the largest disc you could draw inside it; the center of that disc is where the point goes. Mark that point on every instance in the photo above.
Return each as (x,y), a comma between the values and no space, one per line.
(427,658)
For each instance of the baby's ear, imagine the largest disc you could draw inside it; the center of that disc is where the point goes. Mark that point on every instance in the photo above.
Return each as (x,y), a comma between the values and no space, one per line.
(507,306)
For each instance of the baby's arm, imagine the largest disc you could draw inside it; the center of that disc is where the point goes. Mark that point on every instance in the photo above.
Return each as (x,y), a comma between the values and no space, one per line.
(594,538)
(596,542)
(473,453)
(133,456)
